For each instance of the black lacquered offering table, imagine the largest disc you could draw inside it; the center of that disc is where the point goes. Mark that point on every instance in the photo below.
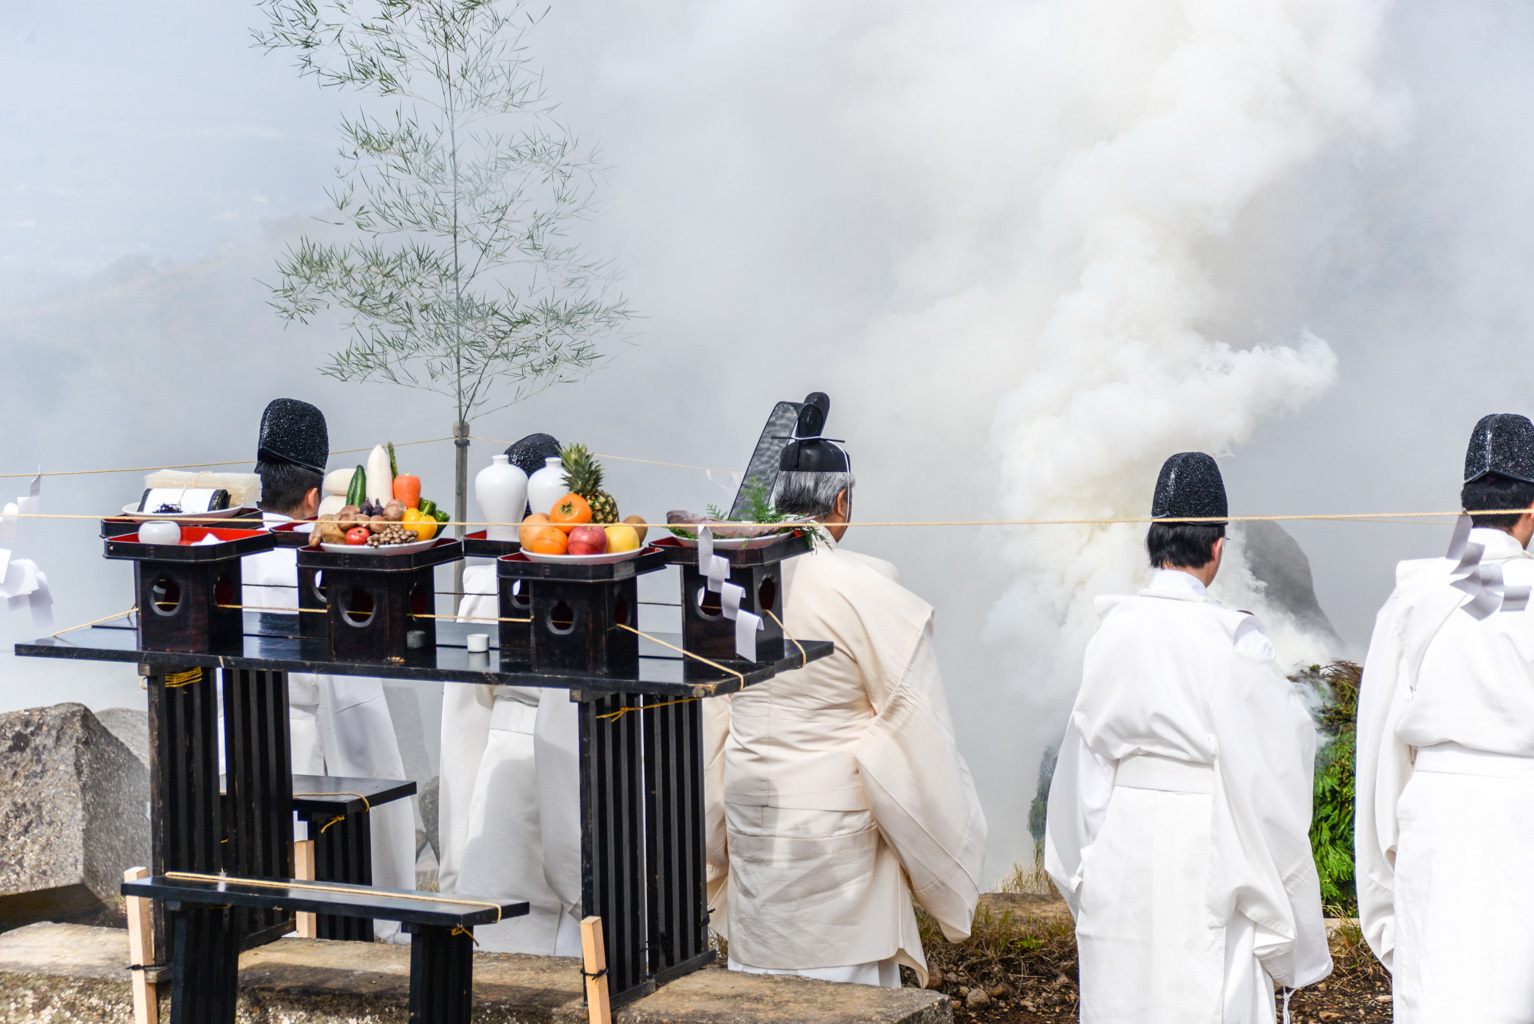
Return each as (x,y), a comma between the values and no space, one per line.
(641,766)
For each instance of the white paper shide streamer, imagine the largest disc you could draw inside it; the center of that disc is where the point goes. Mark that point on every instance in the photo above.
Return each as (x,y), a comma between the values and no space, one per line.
(22,583)
(716,570)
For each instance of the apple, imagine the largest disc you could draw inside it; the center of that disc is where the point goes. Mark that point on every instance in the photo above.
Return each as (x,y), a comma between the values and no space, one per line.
(588,540)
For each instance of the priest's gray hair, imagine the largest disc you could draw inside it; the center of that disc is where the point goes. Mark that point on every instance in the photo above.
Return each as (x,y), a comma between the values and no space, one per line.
(810,494)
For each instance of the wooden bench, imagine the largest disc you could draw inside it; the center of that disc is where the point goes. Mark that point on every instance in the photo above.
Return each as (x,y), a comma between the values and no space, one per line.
(205,943)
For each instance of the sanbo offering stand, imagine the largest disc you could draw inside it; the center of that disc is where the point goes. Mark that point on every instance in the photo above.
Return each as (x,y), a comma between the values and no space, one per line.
(640,752)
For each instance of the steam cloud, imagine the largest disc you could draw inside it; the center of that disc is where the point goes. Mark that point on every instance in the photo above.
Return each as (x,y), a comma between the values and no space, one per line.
(1203,107)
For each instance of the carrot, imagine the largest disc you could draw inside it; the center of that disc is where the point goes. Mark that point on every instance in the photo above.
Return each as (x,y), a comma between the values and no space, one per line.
(407,488)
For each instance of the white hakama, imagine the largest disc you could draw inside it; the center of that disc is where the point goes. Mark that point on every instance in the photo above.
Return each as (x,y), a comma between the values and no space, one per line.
(1179,817)
(1445,786)
(509,806)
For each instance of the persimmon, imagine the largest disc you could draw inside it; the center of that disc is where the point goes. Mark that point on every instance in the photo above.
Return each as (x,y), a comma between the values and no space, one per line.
(547,540)
(569,512)
(530,526)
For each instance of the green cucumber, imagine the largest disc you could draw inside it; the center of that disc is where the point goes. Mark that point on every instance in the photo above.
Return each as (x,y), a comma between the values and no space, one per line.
(357,492)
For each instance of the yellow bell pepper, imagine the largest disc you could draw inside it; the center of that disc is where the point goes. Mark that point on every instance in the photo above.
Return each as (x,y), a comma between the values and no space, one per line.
(424,527)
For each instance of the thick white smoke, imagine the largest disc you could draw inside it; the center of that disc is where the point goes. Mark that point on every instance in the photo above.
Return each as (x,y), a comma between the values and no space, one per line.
(1203,107)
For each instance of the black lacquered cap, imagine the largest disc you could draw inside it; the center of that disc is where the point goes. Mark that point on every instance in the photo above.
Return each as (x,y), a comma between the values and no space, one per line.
(807,451)
(532,452)
(1190,487)
(293,431)
(1503,443)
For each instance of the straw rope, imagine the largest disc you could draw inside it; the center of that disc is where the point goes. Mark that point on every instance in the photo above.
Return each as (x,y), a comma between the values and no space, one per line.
(690,654)
(804,659)
(326,611)
(194,465)
(1404,517)
(620,458)
(293,883)
(97,622)
(176,680)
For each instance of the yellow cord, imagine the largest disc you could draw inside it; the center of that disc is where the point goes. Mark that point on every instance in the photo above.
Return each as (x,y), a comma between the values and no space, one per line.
(302,886)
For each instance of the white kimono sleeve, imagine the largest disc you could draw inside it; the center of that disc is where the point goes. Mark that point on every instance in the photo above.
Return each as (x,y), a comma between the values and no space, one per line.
(1079,793)
(556,752)
(1402,631)
(920,791)
(1266,767)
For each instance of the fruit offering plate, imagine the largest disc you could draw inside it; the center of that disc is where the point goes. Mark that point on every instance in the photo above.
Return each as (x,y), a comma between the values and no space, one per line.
(606,558)
(381,549)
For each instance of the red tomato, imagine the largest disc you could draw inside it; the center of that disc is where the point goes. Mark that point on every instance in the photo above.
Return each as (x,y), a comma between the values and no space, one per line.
(358,535)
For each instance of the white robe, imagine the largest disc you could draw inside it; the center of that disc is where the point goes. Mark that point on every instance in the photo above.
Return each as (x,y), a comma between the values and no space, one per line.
(1179,816)
(1445,794)
(508,811)
(339,725)
(845,797)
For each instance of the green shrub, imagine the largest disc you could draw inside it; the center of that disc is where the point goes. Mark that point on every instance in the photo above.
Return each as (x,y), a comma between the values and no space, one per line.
(1331,824)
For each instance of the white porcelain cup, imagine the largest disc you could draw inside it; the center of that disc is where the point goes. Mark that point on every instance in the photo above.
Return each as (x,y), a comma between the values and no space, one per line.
(159,531)
(479,643)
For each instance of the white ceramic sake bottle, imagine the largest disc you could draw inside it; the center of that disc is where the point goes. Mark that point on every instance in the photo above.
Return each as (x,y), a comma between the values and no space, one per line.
(501,490)
(547,485)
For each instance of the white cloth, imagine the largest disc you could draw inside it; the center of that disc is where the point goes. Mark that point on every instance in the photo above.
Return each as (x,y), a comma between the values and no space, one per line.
(1190,877)
(339,725)
(1444,893)
(845,795)
(883,973)
(507,753)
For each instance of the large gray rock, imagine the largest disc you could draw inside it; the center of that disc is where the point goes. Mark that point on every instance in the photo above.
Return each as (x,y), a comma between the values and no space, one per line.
(131,725)
(73,816)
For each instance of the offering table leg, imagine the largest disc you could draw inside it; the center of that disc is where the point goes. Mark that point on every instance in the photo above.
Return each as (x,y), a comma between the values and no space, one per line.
(205,981)
(343,851)
(441,975)
(612,837)
(185,815)
(678,891)
(259,781)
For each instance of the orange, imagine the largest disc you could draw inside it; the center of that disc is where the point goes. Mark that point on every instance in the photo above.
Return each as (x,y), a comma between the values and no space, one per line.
(548,540)
(569,512)
(530,526)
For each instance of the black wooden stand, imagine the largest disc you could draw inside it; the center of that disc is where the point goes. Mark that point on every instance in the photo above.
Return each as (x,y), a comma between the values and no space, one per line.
(337,812)
(641,797)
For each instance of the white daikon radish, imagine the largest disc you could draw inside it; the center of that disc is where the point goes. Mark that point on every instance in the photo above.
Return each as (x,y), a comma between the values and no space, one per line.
(338,480)
(333,503)
(380,480)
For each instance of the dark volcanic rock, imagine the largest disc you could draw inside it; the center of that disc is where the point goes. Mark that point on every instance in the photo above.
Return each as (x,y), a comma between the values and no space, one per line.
(73,816)
(1278,561)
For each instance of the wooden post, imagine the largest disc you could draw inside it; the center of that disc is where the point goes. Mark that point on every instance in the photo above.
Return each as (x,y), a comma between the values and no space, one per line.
(146,999)
(303,868)
(595,956)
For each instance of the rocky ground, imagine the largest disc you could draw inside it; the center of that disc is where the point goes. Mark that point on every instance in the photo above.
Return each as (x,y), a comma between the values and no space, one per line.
(1019,967)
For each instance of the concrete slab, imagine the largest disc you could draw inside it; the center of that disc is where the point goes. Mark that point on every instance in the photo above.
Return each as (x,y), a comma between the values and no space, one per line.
(59,972)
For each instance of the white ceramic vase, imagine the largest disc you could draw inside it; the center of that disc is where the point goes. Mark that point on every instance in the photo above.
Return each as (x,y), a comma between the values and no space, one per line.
(547,485)
(501,491)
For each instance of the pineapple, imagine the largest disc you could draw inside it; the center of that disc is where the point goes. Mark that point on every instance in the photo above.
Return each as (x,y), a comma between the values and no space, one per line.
(583,475)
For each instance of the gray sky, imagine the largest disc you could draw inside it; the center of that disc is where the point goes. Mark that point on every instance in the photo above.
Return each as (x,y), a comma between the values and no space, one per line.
(798,200)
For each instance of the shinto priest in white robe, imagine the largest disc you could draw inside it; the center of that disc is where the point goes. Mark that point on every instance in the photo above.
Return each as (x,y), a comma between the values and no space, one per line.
(845,799)
(509,805)
(339,725)
(1179,816)
(1445,785)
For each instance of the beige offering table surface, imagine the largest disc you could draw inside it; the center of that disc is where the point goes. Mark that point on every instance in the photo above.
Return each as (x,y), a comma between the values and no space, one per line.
(74,973)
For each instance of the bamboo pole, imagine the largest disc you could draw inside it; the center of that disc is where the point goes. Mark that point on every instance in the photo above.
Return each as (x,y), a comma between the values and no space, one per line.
(146,997)
(308,925)
(598,1011)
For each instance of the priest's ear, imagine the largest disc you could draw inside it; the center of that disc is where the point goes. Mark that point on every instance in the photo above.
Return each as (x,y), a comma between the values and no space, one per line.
(311,505)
